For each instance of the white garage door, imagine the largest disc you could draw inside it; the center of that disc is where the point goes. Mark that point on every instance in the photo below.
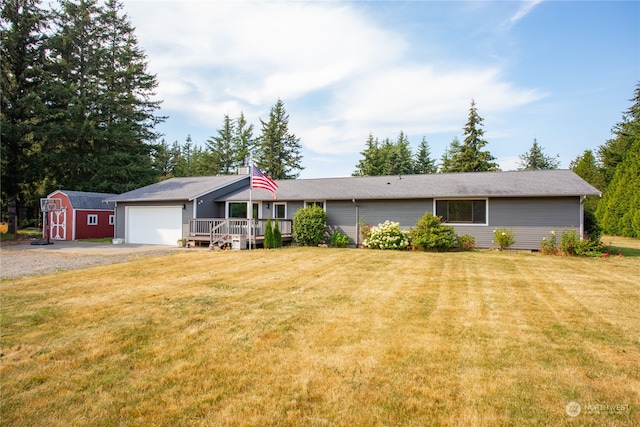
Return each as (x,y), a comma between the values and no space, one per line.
(158,225)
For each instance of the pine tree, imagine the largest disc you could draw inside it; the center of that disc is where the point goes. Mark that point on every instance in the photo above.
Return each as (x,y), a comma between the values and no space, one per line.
(626,133)
(268,235)
(277,235)
(221,149)
(423,162)
(400,157)
(22,43)
(536,159)
(102,135)
(278,153)
(585,166)
(472,158)
(450,158)
(243,142)
(368,165)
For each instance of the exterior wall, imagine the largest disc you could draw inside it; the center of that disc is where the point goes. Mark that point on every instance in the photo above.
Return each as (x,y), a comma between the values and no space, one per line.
(531,220)
(85,231)
(344,215)
(187,214)
(61,225)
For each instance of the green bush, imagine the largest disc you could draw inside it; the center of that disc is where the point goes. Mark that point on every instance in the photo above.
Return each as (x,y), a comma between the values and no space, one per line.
(571,244)
(276,235)
(466,242)
(310,226)
(549,246)
(268,235)
(503,238)
(431,234)
(339,240)
(387,236)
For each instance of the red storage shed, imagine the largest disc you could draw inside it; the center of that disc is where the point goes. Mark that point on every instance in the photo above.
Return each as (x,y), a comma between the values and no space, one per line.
(83,215)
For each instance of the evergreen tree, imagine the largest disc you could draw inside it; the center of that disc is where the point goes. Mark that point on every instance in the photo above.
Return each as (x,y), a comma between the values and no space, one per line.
(450,158)
(626,133)
(22,42)
(619,210)
(585,166)
(423,162)
(243,142)
(277,235)
(164,160)
(472,158)
(221,148)
(368,165)
(278,153)
(102,134)
(536,159)
(268,235)
(399,158)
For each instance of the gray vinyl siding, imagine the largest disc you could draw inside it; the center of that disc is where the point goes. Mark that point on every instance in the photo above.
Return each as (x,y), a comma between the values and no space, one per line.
(531,219)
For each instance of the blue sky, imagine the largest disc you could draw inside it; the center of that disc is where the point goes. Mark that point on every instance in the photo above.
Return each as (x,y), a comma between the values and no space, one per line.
(562,72)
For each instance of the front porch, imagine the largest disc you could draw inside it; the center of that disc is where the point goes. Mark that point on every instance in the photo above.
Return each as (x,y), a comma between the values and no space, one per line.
(222,231)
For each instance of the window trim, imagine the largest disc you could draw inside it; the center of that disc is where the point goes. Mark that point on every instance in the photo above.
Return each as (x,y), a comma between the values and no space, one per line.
(315,203)
(470,224)
(254,202)
(92,219)
(112,219)
(279,204)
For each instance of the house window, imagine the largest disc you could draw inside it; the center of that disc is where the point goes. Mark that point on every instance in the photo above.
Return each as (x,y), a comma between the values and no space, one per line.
(462,211)
(239,210)
(92,219)
(314,203)
(279,210)
(112,219)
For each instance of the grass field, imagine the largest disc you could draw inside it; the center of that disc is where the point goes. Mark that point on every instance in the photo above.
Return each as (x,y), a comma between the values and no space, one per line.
(316,336)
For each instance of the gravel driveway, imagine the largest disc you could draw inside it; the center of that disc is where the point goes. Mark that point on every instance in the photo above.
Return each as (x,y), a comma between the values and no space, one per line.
(29,260)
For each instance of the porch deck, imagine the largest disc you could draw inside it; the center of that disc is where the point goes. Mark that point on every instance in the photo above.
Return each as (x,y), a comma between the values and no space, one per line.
(221,231)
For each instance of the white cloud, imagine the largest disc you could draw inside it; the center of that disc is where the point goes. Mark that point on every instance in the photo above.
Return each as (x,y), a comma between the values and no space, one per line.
(525,8)
(216,58)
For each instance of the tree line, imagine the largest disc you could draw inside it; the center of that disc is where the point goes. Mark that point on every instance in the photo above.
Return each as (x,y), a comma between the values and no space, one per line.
(396,157)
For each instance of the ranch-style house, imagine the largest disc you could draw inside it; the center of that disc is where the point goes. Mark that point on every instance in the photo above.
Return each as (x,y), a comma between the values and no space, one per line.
(216,209)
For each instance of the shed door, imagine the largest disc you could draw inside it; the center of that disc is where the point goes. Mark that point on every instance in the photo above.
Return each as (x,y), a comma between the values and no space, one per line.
(58,225)
(155,225)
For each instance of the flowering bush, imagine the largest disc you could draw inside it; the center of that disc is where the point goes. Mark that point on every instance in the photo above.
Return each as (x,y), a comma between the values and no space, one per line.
(387,236)
(503,238)
(571,244)
(549,246)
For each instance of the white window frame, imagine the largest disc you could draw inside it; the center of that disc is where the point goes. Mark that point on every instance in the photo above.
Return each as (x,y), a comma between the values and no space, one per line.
(280,204)
(470,224)
(92,219)
(315,203)
(112,219)
(249,208)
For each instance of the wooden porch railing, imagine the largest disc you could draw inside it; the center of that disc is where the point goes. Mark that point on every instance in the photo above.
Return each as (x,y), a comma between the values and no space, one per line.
(219,230)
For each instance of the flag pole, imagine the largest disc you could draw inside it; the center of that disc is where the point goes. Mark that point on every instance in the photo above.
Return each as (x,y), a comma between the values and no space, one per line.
(250,210)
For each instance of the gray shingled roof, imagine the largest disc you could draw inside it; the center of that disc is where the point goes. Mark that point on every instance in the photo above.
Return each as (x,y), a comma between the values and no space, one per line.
(474,184)
(87,199)
(177,188)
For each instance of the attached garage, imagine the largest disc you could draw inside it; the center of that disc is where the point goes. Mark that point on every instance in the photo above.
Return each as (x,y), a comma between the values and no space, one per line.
(154,225)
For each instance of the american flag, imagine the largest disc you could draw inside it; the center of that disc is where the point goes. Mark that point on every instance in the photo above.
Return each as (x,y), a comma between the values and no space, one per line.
(260,180)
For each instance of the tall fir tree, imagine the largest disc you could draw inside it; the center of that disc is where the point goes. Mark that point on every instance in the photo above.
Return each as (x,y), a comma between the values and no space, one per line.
(619,209)
(423,162)
(472,158)
(536,159)
(102,134)
(626,133)
(399,159)
(278,152)
(368,165)
(449,162)
(221,149)
(243,141)
(23,24)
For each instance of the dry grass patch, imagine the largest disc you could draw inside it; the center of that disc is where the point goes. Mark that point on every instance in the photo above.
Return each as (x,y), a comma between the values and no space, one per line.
(311,336)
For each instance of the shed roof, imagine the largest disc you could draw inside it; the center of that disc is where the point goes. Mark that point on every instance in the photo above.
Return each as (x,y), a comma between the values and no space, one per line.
(86,200)
(187,188)
(455,185)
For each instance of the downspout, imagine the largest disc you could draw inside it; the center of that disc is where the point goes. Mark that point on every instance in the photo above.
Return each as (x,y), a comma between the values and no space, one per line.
(357,223)
(115,219)
(582,199)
